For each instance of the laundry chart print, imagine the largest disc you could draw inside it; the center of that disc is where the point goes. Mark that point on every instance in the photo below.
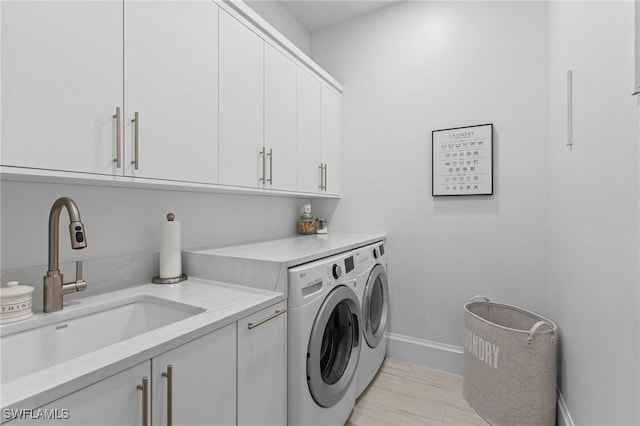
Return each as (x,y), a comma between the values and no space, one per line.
(463,161)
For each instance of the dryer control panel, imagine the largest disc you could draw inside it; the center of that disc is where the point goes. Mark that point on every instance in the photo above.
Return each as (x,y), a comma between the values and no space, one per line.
(305,281)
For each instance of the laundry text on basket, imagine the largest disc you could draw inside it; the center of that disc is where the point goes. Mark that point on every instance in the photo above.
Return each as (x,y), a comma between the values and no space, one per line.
(481,349)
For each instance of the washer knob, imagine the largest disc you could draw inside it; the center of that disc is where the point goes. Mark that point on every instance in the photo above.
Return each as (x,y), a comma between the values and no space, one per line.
(337,271)
(375,253)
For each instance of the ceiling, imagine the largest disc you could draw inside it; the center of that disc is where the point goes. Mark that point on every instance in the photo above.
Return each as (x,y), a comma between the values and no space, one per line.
(316,15)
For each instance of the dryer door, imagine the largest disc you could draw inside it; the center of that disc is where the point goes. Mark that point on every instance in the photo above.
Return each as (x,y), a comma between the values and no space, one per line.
(375,309)
(334,347)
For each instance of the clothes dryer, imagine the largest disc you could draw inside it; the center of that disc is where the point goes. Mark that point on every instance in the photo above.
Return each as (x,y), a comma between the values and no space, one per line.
(373,294)
(324,341)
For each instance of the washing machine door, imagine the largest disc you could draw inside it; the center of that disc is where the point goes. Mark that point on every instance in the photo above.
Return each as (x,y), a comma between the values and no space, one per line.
(375,306)
(334,347)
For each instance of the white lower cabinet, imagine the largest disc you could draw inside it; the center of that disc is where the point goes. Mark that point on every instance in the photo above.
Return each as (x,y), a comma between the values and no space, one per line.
(262,367)
(195,384)
(234,375)
(113,401)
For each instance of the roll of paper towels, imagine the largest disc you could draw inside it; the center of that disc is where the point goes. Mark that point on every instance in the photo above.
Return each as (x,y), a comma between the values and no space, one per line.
(170,248)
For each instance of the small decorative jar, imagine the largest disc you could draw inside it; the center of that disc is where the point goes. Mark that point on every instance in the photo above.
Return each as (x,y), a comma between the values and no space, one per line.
(322,226)
(306,225)
(16,301)
(306,222)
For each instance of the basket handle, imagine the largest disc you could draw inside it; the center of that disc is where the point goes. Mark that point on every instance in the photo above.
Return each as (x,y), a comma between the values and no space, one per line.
(478,297)
(535,328)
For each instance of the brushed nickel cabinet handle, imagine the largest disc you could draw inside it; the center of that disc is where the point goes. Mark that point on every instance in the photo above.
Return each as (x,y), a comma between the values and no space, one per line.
(569,108)
(325,176)
(321,167)
(144,387)
(263,153)
(276,314)
(169,375)
(270,154)
(136,140)
(118,159)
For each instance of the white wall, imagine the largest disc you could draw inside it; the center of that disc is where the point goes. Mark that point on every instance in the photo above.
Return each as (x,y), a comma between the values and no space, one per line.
(593,211)
(282,20)
(420,66)
(120,222)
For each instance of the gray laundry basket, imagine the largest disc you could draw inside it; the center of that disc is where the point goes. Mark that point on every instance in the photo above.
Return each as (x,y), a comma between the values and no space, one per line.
(509,364)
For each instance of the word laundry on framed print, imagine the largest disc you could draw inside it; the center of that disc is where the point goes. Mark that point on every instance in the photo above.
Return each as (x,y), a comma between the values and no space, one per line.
(462,161)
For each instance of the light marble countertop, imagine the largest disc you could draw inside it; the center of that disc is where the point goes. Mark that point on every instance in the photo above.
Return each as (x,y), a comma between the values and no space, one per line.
(223,305)
(294,251)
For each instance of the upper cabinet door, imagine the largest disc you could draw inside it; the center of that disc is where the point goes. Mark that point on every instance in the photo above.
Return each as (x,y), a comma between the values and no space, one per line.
(241,104)
(61,84)
(171,83)
(279,120)
(332,139)
(309,127)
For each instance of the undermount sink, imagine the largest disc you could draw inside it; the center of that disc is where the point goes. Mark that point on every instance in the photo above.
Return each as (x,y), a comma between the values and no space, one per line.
(55,338)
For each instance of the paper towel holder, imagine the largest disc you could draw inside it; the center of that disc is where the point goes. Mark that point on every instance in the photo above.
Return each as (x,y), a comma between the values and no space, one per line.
(172,280)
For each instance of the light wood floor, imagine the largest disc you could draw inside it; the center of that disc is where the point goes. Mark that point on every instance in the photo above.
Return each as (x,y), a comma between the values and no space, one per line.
(406,394)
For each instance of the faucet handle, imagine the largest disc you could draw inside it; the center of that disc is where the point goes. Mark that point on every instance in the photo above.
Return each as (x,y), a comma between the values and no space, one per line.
(79,284)
(79,270)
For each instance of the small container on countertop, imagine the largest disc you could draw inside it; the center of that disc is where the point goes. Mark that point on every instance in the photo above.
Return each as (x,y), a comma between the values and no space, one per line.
(322,226)
(306,222)
(16,301)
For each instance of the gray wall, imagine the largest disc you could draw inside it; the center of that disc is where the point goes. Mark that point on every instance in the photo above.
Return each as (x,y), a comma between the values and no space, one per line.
(121,222)
(420,66)
(282,20)
(593,211)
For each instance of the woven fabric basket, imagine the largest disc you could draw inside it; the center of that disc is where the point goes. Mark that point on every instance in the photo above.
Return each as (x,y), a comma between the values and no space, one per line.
(509,364)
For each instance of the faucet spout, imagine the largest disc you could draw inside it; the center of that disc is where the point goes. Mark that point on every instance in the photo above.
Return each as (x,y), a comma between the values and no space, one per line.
(53,282)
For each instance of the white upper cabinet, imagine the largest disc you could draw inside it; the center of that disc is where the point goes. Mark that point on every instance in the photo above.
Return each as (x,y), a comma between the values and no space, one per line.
(279,120)
(61,84)
(171,82)
(241,103)
(188,91)
(309,157)
(331,140)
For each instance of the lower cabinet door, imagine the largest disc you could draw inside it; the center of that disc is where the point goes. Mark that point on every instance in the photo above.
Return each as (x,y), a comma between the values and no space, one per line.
(195,384)
(114,401)
(262,367)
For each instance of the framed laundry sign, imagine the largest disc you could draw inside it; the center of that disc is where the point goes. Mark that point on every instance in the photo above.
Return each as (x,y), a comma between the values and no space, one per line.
(462,161)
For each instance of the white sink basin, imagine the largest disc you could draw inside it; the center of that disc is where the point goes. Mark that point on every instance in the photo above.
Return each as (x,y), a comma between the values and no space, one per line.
(61,336)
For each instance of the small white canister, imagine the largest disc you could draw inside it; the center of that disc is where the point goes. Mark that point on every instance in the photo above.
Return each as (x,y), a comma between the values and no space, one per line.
(16,301)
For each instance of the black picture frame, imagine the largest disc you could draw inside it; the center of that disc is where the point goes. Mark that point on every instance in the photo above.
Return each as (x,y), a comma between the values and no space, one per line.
(462,161)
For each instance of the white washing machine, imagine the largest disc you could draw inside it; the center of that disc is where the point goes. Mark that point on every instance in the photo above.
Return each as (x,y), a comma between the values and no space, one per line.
(324,341)
(373,293)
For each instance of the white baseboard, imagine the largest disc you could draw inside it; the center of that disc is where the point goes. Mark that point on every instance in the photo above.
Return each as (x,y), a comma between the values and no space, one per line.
(563,417)
(439,356)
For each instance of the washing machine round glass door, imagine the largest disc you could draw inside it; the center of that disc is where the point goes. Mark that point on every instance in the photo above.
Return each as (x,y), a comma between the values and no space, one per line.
(375,308)
(334,347)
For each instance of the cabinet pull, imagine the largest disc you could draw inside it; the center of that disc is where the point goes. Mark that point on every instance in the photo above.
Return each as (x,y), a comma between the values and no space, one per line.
(569,108)
(270,154)
(325,176)
(136,139)
(276,314)
(321,167)
(169,375)
(263,153)
(144,387)
(118,159)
